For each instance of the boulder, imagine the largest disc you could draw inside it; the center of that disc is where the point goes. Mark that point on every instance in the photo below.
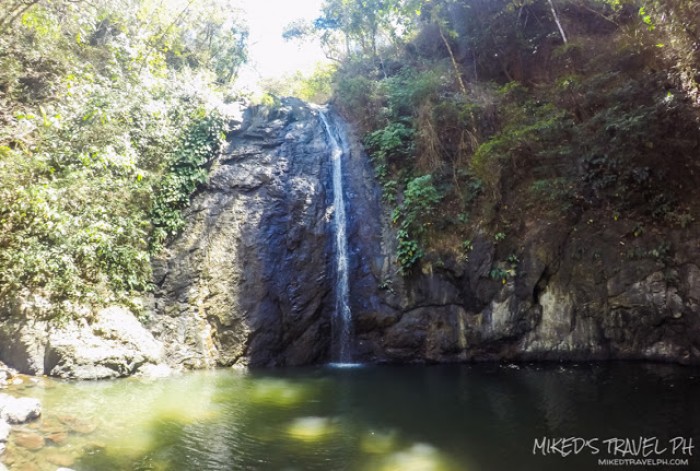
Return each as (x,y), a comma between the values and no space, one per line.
(114,344)
(18,410)
(151,371)
(5,430)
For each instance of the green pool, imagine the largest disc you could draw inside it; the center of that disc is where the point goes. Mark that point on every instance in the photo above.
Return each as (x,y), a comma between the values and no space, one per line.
(456,417)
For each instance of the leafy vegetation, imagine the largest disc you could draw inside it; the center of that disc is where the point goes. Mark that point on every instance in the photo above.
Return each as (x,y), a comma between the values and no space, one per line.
(187,169)
(419,198)
(314,87)
(107,122)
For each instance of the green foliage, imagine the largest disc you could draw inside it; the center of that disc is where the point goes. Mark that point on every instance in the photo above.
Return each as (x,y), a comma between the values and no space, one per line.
(661,252)
(65,233)
(506,269)
(420,198)
(355,29)
(530,136)
(502,274)
(408,251)
(187,169)
(606,122)
(556,190)
(467,247)
(390,144)
(355,95)
(407,90)
(106,125)
(315,87)
(627,138)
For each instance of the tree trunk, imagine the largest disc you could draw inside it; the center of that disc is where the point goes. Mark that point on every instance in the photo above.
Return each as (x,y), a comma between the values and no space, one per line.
(458,74)
(556,20)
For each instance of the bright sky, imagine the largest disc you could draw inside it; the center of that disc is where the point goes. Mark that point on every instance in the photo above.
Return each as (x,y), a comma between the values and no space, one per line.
(270,55)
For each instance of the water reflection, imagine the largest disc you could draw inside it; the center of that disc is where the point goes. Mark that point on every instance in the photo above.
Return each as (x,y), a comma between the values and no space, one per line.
(469,417)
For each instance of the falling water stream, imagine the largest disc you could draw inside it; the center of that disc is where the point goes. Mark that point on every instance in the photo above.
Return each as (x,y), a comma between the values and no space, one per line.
(342,322)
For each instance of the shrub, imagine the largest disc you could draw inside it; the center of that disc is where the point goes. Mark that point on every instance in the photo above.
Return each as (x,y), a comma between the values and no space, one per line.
(420,199)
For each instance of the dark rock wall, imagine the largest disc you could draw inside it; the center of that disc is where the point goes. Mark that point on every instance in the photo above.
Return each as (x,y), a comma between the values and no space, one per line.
(251,279)
(575,297)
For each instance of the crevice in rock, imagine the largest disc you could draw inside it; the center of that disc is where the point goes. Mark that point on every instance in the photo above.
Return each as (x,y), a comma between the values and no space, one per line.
(431,306)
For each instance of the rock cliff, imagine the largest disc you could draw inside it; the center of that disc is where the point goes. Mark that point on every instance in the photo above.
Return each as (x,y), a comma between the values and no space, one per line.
(248,280)
(251,279)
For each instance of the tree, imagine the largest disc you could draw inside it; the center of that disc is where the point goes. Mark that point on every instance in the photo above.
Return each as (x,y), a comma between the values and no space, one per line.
(107,124)
(359,28)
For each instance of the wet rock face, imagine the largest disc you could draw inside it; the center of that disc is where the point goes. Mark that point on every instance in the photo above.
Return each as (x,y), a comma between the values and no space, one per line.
(249,280)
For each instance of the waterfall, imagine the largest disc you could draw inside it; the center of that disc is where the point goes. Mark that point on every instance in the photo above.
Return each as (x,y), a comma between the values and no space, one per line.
(341,322)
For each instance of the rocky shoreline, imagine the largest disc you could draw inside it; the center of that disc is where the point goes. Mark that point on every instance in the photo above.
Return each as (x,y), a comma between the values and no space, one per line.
(16,411)
(32,433)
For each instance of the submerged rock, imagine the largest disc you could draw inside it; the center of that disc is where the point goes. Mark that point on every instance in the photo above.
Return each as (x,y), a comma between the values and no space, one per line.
(57,438)
(78,425)
(419,457)
(59,458)
(311,429)
(29,440)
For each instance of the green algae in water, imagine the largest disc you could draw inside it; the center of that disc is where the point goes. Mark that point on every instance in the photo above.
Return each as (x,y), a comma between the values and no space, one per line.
(311,429)
(442,418)
(277,392)
(378,443)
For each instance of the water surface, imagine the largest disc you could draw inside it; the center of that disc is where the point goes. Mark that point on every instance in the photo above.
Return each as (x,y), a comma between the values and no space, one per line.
(455,417)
